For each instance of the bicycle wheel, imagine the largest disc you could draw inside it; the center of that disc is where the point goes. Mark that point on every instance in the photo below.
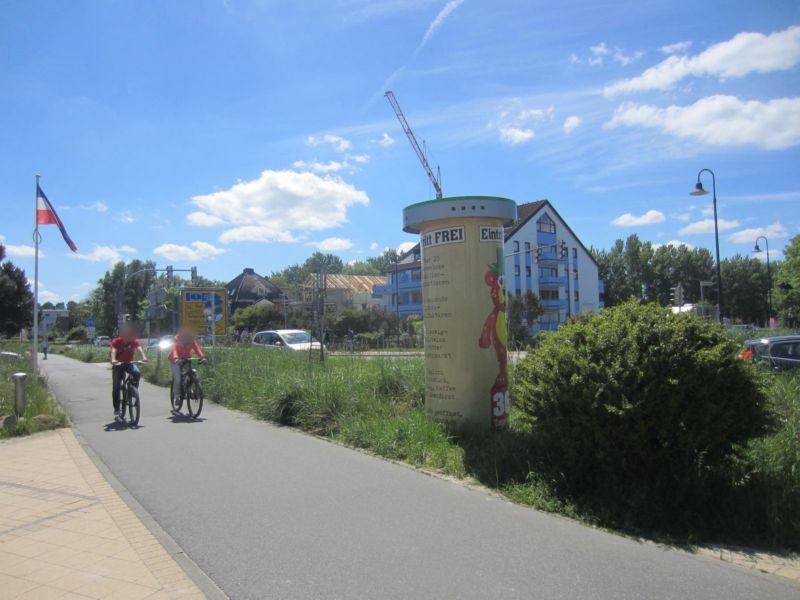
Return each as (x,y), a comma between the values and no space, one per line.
(133,406)
(194,398)
(176,403)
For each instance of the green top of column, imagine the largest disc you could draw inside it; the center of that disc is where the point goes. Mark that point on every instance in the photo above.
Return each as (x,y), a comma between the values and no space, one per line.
(417,215)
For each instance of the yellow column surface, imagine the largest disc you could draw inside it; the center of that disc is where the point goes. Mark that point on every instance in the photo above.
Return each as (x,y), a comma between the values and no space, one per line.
(463,295)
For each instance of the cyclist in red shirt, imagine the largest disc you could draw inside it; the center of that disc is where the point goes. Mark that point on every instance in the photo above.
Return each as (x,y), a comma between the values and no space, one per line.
(182,348)
(123,349)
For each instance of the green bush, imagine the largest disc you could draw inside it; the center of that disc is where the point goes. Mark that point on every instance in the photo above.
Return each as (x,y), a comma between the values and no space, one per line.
(636,410)
(76,334)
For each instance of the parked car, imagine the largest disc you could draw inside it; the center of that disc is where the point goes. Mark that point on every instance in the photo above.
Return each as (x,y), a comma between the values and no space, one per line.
(102,340)
(163,343)
(780,352)
(286,339)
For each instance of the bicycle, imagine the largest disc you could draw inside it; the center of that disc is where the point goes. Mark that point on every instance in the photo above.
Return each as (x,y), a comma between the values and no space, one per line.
(190,390)
(130,403)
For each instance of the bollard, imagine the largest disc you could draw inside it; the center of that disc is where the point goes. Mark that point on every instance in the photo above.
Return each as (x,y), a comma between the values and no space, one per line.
(19,396)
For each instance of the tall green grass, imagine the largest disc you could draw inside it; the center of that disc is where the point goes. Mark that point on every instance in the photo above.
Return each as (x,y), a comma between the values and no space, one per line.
(39,400)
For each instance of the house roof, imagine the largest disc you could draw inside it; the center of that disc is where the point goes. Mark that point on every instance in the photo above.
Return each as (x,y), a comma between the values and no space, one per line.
(527,211)
(357,284)
(249,287)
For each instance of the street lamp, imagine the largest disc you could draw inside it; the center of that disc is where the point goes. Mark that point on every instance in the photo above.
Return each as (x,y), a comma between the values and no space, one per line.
(700,191)
(769,277)
(397,298)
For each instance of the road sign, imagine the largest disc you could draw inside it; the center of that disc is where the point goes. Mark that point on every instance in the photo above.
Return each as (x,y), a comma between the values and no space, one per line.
(89,322)
(205,310)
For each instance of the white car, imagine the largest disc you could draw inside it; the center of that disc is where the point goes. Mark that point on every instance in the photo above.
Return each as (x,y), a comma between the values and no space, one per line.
(102,340)
(286,339)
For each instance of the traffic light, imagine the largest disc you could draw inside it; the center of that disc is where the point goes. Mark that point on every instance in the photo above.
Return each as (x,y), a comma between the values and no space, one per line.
(564,249)
(538,253)
(169,274)
(194,275)
(676,295)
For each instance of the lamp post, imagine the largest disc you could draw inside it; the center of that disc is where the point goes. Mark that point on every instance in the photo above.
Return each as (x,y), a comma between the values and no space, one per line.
(397,298)
(769,277)
(700,191)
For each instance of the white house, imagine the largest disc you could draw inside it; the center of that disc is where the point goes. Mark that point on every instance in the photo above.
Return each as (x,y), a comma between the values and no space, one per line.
(545,256)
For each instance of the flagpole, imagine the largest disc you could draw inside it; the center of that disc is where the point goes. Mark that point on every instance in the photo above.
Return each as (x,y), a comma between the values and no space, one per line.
(36,239)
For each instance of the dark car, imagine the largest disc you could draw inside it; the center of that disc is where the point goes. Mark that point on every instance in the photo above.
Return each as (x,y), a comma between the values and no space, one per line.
(780,352)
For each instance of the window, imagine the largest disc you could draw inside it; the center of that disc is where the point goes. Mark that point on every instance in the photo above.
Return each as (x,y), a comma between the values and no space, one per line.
(575,274)
(516,270)
(527,271)
(516,246)
(527,246)
(548,271)
(574,253)
(549,294)
(577,295)
(545,225)
(519,292)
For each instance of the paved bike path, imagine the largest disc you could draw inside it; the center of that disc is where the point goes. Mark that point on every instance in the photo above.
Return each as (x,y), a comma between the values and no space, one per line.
(268,512)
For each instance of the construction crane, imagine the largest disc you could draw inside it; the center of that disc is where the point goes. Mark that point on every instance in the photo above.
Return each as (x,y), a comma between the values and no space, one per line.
(435,180)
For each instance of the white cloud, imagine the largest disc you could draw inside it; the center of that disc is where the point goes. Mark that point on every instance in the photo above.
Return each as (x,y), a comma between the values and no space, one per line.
(573,59)
(126,217)
(598,53)
(516,135)
(708,211)
(675,244)
(333,166)
(676,48)
(109,254)
(438,21)
(707,226)
(276,204)
(571,123)
(720,121)
(742,55)
(332,244)
(406,246)
(386,140)
(651,217)
(338,143)
(626,59)
(194,251)
(20,251)
(748,236)
(536,114)
(374,246)
(361,159)
(48,296)
(202,219)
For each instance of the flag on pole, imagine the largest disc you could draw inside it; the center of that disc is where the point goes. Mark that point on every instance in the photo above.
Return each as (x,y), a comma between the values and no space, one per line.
(46,215)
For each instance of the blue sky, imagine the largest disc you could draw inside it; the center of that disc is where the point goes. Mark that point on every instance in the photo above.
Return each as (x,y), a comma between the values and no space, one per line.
(234,133)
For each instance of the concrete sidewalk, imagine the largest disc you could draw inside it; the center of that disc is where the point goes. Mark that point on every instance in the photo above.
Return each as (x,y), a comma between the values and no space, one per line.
(66,533)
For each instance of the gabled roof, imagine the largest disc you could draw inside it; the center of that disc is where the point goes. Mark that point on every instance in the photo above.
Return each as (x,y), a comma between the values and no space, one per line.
(524,214)
(249,286)
(357,284)
(527,211)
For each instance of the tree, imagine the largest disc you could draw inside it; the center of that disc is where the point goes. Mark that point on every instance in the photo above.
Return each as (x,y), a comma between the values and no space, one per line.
(120,289)
(16,299)
(360,267)
(384,263)
(625,269)
(522,312)
(744,287)
(786,279)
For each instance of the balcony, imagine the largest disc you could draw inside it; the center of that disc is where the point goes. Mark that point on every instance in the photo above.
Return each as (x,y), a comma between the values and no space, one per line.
(560,304)
(402,286)
(545,237)
(552,280)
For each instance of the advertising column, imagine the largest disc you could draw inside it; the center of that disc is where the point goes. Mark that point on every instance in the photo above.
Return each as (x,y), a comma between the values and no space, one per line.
(466,376)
